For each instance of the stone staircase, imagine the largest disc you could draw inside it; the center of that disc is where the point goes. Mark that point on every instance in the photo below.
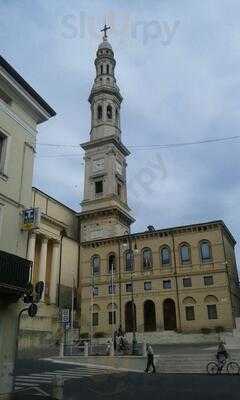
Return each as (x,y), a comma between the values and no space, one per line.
(171,337)
(183,363)
(232,339)
(188,363)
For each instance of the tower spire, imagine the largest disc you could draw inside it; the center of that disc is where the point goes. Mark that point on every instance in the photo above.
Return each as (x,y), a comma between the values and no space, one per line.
(105,210)
(105,29)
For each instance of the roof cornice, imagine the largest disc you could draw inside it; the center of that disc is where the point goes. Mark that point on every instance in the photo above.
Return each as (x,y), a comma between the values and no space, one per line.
(26,91)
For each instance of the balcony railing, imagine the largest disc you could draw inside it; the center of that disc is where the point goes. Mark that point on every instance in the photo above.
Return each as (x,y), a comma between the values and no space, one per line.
(14,274)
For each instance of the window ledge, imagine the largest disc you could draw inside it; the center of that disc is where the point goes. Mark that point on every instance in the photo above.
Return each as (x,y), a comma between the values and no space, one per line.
(207,262)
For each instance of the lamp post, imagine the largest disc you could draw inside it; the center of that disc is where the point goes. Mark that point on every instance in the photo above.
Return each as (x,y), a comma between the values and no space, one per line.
(134,339)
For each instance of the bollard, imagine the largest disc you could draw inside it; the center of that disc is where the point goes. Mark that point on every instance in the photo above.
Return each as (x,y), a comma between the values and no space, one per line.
(144,349)
(61,350)
(85,349)
(112,349)
(57,387)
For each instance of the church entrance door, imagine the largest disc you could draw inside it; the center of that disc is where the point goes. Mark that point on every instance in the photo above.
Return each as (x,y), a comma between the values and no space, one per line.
(129,317)
(169,315)
(149,316)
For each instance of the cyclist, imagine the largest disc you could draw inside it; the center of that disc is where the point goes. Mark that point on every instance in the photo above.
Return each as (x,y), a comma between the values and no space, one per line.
(222,354)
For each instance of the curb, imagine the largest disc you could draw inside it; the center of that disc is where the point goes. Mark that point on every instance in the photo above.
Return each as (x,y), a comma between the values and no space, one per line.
(60,361)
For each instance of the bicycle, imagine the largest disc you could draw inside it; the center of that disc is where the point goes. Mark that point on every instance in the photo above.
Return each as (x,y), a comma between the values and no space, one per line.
(216,367)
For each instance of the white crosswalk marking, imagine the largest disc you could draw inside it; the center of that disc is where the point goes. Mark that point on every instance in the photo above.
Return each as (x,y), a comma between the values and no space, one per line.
(45,378)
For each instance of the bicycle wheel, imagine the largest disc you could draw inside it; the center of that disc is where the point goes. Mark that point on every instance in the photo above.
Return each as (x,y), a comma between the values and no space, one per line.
(233,368)
(212,368)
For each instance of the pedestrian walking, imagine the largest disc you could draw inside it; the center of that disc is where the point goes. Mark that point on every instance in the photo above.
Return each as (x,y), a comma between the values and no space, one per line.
(108,347)
(150,359)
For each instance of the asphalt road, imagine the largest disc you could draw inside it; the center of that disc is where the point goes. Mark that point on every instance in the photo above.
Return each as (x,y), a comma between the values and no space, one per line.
(123,385)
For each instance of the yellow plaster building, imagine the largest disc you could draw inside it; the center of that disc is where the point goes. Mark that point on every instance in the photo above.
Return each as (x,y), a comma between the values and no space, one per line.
(180,279)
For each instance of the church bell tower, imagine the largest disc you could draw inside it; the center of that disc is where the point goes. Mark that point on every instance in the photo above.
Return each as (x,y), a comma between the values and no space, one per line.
(105,212)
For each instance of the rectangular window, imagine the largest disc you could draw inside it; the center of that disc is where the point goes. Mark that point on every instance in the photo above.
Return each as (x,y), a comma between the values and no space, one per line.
(187,282)
(212,311)
(147,285)
(95,319)
(167,284)
(129,287)
(3,145)
(99,187)
(208,280)
(112,289)
(112,317)
(190,313)
(95,291)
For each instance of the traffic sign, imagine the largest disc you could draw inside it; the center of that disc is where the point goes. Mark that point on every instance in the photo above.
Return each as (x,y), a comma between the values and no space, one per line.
(31,218)
(65,316)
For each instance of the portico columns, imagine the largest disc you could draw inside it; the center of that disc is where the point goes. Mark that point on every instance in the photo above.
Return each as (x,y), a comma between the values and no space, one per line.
(31,249)
(54,272)
(43,262)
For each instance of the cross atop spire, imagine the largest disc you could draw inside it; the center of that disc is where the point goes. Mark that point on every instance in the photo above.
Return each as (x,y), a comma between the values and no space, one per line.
(105,29)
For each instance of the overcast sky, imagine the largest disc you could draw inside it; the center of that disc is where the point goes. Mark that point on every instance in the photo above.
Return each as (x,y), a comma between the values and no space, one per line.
(178,71)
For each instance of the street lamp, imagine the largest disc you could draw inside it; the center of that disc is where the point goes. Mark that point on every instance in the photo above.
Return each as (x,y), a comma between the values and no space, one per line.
(132,253)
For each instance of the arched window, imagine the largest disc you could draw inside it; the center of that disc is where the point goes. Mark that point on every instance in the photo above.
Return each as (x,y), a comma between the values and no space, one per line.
(147,259)
(95,265)
(185,254)
(211,304)
(205,251)
(107,69)
(109,111)
(165,255)
(189,303)
(101,69)
(111,263)
(112,313)
(129,260)
(116,115)
(95,314)
(99,112)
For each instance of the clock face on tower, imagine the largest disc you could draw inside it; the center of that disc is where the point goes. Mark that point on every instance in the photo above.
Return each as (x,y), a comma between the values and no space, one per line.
(98,165)
(119,167)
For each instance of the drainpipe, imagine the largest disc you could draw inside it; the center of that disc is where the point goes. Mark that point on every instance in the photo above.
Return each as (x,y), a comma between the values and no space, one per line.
(60,268)
(78,272)
(176,282)
(120,284)
(228,279)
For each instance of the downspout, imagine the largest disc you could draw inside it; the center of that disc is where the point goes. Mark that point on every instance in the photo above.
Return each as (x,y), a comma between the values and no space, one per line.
(60,269)
(78,274)
(120,284)
(228,279)
(176,282)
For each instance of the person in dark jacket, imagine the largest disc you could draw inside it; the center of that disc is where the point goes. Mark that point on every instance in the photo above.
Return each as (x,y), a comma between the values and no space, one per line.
(222,354)
(150,359)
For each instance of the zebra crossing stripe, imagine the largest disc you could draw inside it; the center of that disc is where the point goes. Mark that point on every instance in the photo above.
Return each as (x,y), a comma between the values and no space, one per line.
(36,379)
(27,384)
(30,377)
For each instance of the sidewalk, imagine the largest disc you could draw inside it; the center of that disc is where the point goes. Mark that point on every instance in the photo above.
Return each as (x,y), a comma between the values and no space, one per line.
(120,363)
(187,359)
